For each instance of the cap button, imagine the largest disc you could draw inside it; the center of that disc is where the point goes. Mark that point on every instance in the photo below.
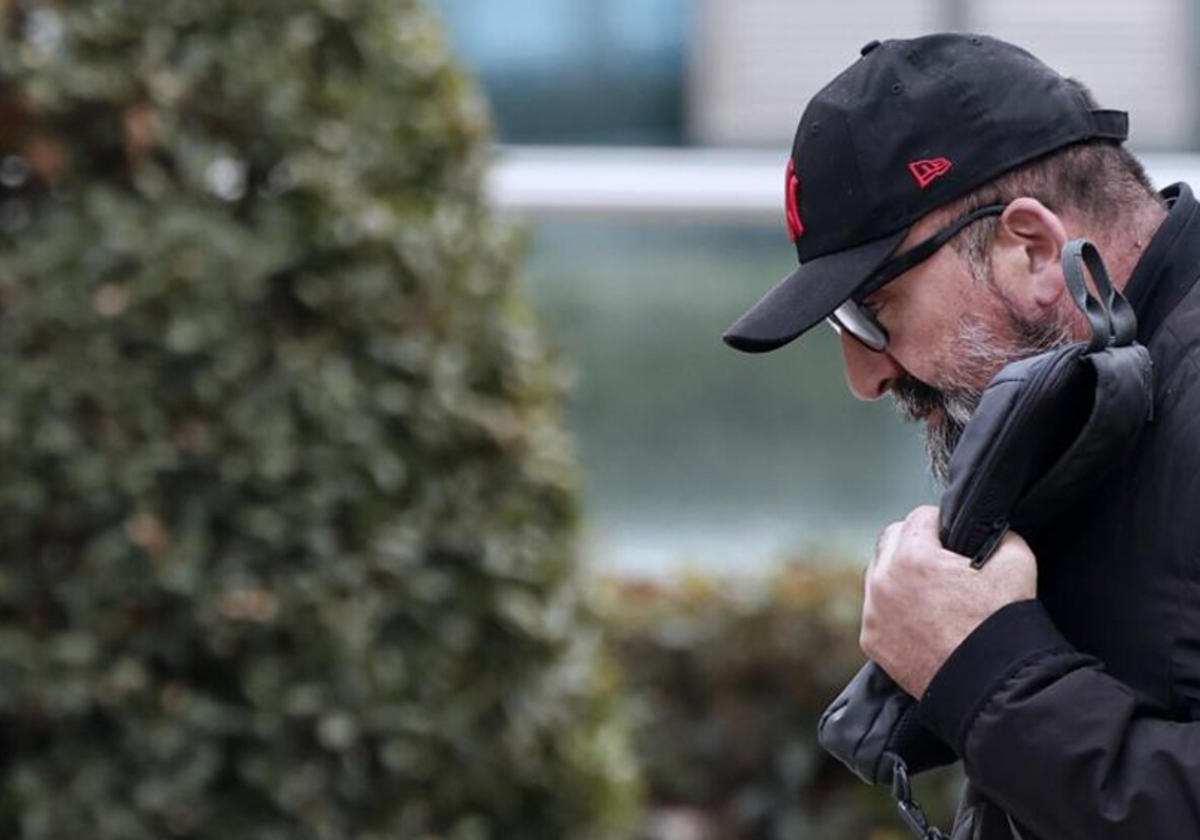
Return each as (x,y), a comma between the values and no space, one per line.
(869,47)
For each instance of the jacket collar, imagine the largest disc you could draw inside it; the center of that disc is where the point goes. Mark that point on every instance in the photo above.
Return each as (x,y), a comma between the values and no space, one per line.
(1170,265)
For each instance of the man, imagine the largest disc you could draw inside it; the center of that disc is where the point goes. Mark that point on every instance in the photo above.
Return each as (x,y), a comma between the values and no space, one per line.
(931,188)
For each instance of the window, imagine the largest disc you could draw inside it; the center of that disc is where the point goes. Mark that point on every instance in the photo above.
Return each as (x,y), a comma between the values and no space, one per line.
(588,73)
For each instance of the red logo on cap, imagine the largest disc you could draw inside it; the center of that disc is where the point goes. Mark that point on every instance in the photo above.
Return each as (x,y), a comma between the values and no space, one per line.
(795,226)
(928,171)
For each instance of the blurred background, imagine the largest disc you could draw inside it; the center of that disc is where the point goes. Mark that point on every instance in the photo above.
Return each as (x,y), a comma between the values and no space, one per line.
(643,144)
(291,528)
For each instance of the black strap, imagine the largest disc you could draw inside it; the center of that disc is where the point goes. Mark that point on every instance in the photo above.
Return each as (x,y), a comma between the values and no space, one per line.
(893,268)
(1110,124)
(1113,321)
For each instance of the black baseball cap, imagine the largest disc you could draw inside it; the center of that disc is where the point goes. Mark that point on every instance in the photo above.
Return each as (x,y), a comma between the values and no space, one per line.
(910,126)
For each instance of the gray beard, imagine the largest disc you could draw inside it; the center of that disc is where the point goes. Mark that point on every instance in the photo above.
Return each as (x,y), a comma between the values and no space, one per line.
(979,354)
(945,413)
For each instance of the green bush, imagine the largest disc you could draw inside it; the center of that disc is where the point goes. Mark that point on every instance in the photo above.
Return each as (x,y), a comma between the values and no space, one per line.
(728,679)
(287,512)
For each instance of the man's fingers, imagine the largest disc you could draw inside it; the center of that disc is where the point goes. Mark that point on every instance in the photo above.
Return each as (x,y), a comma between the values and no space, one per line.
(925,515)
(922,527)
(917,534)
(920,600)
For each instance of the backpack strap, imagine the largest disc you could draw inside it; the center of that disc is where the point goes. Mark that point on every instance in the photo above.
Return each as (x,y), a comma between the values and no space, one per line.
(1111,315)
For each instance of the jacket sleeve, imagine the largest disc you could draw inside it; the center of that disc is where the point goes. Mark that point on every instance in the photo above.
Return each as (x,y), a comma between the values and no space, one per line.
(1064,748)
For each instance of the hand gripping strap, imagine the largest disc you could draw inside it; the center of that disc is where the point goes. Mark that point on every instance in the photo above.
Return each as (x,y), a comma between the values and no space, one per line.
(1047,429)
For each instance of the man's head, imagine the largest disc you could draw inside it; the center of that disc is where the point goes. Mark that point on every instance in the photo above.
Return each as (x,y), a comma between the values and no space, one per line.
(951,140)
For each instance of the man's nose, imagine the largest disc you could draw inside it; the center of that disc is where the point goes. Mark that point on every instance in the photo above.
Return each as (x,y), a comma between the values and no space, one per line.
(868,373)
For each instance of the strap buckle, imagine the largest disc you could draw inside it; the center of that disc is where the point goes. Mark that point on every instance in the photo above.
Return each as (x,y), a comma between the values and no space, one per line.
(910,810)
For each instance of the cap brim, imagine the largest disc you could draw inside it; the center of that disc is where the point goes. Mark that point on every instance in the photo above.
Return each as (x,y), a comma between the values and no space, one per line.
(807,296)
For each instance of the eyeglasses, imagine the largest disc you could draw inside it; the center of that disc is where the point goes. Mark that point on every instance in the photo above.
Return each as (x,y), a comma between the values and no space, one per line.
(860,323)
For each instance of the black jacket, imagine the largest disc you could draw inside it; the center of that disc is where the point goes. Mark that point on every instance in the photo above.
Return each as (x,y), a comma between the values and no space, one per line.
(1078,715)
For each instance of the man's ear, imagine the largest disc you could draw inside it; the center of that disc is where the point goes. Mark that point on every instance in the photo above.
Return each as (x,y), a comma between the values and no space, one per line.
(1028,256)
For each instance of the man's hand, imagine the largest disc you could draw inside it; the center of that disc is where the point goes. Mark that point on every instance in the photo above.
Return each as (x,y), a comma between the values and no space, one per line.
(922,601)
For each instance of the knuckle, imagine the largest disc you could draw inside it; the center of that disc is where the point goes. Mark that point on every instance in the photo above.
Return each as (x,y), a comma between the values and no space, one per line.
(870,576)
(876,587)
(921,515)
(907,556)
(865,642)
(885,535)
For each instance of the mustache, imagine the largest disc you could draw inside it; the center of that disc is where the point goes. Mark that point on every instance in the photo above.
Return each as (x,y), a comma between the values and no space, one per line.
(917,400)
(914,399)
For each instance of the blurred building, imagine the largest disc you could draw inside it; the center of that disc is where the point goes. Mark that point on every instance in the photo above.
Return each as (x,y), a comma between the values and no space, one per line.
(694,455)
(584,72)
(737,72)
(753,63)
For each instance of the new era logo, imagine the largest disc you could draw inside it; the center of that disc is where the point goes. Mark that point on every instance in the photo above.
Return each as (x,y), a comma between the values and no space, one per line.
(928,171)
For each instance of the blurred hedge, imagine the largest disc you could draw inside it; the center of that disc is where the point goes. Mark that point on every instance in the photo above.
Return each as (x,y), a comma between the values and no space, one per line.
(287,514)
(728,678)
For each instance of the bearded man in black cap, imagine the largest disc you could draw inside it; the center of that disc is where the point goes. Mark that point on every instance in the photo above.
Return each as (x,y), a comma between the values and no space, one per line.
(930,191)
